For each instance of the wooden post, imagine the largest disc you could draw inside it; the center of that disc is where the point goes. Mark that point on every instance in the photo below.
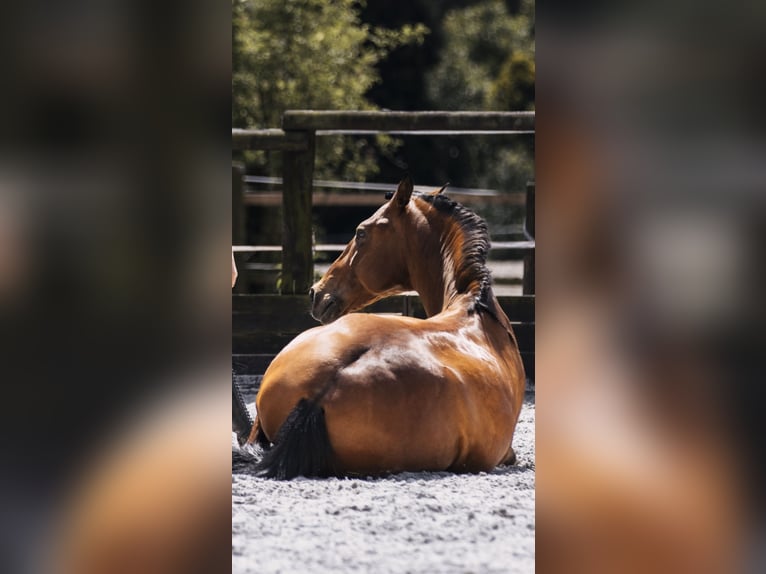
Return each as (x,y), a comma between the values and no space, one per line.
(528,283)
(238,236)
(529,219)
(297,178)
(237,204)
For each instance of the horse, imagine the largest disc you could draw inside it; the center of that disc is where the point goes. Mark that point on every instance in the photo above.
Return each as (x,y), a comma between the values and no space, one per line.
(372,395)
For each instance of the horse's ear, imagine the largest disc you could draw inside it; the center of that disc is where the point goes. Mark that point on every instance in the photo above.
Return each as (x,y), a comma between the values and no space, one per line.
(403,192)
(441,189)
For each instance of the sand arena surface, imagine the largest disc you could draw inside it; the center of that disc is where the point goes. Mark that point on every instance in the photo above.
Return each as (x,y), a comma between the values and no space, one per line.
(411,522)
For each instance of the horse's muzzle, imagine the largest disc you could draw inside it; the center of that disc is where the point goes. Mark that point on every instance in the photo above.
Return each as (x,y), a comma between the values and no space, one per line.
(325,307)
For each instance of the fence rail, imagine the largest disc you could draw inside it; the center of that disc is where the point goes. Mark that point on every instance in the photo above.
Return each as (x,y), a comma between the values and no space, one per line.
(268,140)
(387,121)
(296,140)
(367,194)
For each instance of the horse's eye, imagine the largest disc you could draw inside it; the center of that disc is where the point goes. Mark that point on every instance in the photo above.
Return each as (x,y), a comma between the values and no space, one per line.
(360,234)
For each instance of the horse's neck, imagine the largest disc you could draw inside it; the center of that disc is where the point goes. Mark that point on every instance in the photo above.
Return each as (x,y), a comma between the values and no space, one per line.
(430,287)
(435,278)
(427,274)
(439,296)
(437,291)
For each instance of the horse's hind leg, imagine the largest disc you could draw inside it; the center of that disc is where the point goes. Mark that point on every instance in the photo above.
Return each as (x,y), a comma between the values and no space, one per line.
(510,458)
(257,435)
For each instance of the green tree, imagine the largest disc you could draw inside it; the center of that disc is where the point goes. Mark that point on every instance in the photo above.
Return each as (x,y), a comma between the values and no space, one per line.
(485,44)
(487,63)
(514,88)
(310,54)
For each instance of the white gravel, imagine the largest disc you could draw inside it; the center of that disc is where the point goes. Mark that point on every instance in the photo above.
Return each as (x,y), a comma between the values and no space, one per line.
(411,522)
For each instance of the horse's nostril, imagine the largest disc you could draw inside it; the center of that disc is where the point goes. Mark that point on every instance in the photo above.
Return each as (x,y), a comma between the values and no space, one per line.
(311,294)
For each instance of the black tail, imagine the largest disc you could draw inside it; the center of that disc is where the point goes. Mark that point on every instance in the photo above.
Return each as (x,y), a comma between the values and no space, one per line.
(302,446)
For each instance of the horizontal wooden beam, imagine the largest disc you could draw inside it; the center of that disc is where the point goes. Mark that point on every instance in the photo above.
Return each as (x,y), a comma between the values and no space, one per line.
(408,121)
(274,198)
(510,248)
(420,133)
(268,140)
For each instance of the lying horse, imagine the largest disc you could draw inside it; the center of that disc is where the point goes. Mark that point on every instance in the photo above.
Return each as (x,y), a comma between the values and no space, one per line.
(372,394)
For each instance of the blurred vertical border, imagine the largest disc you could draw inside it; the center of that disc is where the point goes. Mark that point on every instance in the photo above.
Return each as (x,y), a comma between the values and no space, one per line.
(651,179)
(114,249)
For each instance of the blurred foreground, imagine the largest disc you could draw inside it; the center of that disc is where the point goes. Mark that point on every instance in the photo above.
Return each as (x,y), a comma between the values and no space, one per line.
(114,246)
(650,180)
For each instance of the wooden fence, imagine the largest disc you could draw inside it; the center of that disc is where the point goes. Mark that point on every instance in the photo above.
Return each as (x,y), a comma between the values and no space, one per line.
(296,140)
(263,324)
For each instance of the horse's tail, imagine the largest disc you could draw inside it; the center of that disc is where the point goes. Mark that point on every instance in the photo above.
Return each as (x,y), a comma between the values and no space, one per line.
(302,446)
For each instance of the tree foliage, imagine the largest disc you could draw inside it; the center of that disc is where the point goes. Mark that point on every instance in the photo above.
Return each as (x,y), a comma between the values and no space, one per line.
(487,53)
(514,88)
(310,54)
(349,54)
(487,62)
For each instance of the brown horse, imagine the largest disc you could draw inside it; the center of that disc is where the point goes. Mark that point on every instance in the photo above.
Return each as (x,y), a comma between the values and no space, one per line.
(372,394)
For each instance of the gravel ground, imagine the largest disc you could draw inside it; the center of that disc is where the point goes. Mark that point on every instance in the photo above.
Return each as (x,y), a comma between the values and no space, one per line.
(411,522)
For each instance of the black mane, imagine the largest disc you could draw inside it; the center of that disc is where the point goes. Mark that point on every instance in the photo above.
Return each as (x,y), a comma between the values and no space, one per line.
(476,245)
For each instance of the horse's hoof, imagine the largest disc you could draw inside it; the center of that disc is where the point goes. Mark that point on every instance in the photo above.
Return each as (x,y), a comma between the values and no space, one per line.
(510,458)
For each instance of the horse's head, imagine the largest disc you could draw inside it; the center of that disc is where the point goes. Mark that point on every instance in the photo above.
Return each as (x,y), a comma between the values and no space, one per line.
(372,266)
